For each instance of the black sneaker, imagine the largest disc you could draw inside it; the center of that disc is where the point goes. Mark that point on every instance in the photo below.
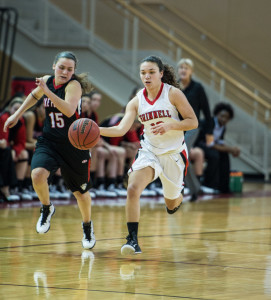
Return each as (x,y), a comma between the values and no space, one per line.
(131,247)
(172,211)
(46,213)
(88,241)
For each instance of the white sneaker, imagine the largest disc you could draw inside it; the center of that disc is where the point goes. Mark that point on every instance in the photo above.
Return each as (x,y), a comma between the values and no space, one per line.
(25,196)
(63,192)
(102,192)
(208,190)
(186,191)
(118,190)
(54,194)
(88,241)
(92,193)
(13,198)
(148,193)
(46,213)
(159,190)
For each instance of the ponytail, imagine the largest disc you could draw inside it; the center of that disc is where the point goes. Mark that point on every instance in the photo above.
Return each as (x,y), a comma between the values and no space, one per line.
(169,76)
(84,82)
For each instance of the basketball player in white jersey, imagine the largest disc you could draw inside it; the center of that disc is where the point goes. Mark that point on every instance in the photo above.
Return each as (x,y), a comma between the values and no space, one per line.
(165,113)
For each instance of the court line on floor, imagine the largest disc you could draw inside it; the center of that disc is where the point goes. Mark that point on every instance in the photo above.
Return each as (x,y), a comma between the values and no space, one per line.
(129,259)
(101,291)
(144,236)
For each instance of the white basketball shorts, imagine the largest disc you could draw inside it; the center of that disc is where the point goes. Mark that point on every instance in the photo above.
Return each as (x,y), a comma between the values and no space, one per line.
(170,168)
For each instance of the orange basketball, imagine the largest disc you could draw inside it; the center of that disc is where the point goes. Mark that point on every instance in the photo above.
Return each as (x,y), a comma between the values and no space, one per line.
(84,134)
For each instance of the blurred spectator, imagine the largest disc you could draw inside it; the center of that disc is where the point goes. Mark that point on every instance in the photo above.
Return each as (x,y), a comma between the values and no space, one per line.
(34,120)
(107,161)
(197,98)
(16,138)
(217,172)
(130,141)
(7,170)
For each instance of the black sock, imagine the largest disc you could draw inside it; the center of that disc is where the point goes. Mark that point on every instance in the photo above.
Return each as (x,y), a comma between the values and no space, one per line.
(119,179)
(110,181)
(56,180)
(20,184)
(132,227)
(99,181)
(93,177)
(27,182)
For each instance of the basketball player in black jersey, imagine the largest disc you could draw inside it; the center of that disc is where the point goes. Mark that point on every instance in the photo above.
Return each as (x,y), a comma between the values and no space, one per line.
(62,100)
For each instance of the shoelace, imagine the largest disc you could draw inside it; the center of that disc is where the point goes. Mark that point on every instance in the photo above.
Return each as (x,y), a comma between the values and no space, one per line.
(45,212)
(132,240)
(87,232)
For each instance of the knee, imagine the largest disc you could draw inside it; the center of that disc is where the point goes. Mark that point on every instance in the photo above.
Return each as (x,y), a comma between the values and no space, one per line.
(85,197)
(199,154)
(133,191)
(23,155)
(122,152)
(101,153)
(39,176)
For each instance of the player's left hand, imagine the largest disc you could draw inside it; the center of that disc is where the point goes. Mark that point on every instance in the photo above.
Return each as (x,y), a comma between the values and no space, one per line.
(40,83)
(160,128)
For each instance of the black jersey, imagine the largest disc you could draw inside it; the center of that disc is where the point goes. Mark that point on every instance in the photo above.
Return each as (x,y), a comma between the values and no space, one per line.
(56,124)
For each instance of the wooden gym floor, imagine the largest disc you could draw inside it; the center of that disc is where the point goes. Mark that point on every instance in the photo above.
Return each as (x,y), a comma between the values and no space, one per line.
(215,249)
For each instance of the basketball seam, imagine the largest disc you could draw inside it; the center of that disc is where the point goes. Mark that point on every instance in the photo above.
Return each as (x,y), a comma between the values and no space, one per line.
(78,131)
(93,139)
(87,133)
(71,138)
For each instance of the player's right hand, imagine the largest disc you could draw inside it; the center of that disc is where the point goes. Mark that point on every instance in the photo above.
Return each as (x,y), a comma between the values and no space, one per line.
(10,122)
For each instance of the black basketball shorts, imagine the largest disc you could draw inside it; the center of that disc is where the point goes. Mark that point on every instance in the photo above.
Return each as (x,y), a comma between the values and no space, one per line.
(73,163)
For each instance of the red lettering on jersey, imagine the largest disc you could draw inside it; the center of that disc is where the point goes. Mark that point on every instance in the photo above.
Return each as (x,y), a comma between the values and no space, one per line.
(150,115)
(143,118)
(155,115)
(168,114)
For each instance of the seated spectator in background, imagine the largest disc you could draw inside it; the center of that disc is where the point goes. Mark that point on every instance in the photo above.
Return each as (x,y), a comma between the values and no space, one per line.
(34,120)
(107,162)
(196,156)
(130,141)
(16,139)
(7,171)
(217,172)
(197,98)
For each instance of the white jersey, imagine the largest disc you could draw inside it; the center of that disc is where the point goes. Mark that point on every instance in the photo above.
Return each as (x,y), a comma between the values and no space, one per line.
(153,112)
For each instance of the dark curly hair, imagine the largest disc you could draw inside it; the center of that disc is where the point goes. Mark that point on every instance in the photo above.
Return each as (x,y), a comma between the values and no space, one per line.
(169,72)
(224,106)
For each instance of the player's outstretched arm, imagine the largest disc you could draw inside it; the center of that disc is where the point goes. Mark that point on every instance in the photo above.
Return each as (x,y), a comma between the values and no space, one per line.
(30,100)
(126,122)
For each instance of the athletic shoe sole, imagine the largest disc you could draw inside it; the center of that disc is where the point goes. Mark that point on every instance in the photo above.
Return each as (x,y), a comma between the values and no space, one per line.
(128,250)
(89,247)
